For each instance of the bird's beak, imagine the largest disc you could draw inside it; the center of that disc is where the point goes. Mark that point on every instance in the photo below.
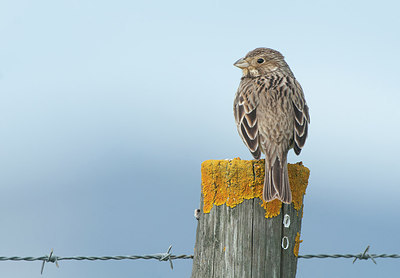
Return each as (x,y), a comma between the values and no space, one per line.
(241,63)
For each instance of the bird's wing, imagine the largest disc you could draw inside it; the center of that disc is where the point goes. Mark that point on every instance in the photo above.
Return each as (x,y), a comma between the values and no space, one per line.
(245,111)
(301,115)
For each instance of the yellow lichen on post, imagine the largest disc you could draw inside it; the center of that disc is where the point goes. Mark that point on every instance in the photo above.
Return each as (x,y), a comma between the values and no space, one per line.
(221,190)
(259,170)
(272,208)
(240,182)
(207,184)
(228,182)
(231,182)
(296,247)
(298,180)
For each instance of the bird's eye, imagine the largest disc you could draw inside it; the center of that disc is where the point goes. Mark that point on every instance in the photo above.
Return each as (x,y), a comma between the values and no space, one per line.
(260,61)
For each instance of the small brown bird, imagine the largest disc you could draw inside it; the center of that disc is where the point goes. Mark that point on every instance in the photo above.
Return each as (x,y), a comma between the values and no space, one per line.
(271,115)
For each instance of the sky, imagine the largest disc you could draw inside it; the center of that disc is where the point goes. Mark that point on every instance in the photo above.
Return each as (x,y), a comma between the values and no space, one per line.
(108,109)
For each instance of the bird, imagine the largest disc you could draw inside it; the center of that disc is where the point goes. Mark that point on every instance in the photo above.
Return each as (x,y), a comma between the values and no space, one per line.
(271,116)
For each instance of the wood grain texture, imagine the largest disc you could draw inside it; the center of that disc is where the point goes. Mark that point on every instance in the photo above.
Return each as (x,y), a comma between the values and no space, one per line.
(241,242)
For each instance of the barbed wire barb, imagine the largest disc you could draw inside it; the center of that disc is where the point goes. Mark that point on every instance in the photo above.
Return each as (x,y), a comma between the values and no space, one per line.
(49,258)
(167,257)
(365,256)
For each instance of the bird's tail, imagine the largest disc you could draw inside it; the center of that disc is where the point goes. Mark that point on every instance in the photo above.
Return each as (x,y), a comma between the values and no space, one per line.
(276,183)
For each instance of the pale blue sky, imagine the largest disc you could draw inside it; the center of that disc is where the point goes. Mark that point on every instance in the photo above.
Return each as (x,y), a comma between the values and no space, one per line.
(108,108)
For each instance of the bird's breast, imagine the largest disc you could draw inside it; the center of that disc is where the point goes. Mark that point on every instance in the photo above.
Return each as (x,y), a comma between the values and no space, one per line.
(275,116)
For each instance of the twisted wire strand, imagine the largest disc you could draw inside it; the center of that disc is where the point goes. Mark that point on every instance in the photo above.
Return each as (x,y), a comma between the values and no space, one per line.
(169,257)
(362,256)
(176,257)
(103,258)
(347,256)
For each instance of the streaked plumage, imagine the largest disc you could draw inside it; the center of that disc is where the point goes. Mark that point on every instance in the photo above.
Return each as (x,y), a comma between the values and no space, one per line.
(271,115)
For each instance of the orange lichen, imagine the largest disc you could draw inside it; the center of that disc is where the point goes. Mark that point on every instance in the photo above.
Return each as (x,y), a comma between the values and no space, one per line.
(272,208)
(219,176)
(296,247)
(298,179)
(231,182)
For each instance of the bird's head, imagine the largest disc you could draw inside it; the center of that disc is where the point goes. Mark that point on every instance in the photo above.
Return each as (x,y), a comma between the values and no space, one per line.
(261,61)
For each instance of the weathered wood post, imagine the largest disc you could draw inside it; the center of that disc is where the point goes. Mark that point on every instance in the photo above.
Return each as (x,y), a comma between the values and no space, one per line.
(239,235)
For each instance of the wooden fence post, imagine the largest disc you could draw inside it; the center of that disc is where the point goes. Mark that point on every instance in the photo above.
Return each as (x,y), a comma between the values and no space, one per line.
(239,235)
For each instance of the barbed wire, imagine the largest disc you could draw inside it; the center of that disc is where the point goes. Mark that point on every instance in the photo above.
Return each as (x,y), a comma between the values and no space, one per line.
(167,256)
(362,256)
